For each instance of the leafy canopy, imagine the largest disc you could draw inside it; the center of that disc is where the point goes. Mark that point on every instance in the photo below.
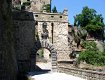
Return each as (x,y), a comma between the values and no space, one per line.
(90,20)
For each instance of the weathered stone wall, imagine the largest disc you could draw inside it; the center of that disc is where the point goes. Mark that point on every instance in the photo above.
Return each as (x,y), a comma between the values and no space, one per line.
(24,38)
(60,31)
(8,65)
(36,5)
(51,17)
(86,74)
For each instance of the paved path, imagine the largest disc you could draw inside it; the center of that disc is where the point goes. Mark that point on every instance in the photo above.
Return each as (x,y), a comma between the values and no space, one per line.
(54,76)
(47,75)
(45,66)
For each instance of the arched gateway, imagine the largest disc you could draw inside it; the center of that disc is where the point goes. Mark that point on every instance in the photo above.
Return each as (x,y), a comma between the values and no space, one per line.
(48,46)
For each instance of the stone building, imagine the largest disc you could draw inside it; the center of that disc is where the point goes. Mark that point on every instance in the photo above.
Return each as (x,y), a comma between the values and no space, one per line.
(35,30)
(57,25)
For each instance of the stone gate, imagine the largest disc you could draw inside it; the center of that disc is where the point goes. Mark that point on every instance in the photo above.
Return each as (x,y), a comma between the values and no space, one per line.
(48,46)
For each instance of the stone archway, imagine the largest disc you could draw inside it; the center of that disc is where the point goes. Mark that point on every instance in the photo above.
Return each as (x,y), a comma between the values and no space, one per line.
(48,46)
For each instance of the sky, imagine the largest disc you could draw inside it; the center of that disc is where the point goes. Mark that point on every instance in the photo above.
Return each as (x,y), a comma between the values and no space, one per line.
(75,7)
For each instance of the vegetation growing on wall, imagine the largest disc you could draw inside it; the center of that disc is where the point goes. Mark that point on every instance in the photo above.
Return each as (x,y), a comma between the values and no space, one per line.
(41,52)
(47,7)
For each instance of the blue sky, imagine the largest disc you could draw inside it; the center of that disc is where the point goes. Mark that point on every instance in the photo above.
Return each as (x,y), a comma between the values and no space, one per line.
(75,7)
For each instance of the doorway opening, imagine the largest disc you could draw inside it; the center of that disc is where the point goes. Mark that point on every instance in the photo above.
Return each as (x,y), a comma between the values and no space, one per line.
(43,59)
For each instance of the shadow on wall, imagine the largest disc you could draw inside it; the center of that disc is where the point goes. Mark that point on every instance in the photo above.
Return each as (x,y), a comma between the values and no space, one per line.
(24,34)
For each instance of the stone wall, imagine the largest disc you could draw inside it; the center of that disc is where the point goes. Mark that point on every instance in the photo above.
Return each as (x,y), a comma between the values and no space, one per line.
(8,64)
(51,17)
(58,22)
(86,74)
(24,38)
(36,5)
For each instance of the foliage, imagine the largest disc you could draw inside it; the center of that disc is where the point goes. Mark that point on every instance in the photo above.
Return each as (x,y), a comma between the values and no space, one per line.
(27,3)
(104,46)
(41,52)
(92,54)
(47,7)
(91,46)
(92,57)
(54,10)
(90,20)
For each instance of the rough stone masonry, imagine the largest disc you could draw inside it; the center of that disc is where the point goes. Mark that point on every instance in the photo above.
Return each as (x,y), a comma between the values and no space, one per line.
(8,64)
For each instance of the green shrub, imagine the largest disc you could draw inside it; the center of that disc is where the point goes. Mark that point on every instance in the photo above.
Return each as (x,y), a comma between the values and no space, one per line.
(91,46)
(92,54)
(92,57)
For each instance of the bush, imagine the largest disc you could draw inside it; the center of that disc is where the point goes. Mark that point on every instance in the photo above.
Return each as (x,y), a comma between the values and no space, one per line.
(91,46)
(92,55)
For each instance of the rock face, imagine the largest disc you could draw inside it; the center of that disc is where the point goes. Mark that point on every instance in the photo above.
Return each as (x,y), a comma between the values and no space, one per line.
(8,66)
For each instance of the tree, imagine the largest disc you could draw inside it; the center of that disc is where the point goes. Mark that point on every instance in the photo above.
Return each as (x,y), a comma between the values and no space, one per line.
(54,10)
(91,21)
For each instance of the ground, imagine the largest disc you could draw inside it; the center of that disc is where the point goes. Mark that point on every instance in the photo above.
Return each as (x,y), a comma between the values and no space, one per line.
(46,74)
(53,76)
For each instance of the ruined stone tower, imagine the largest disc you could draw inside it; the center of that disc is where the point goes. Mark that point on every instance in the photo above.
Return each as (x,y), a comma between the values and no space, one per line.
(37,5)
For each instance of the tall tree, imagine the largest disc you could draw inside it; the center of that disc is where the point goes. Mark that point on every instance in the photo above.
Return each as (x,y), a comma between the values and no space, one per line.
(91,21)
(54,10)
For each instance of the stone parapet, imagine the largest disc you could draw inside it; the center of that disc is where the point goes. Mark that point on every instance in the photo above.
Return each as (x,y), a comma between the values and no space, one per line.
(86,74)
(51,17)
